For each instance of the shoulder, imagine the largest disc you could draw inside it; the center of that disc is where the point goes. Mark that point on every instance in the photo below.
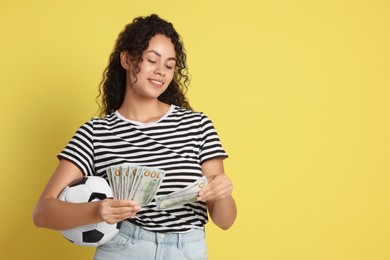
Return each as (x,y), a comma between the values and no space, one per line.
(96,123)
(187,113)
(107,120)
(196,119)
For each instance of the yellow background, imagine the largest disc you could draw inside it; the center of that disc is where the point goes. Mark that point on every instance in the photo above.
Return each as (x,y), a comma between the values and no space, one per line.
(298,91)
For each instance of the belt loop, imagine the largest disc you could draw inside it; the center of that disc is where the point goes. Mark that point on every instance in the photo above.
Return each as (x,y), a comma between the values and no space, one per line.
(179,241)
(135,233)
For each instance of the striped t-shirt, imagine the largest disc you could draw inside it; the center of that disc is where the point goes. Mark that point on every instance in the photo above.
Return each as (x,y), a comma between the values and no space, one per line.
(178,143)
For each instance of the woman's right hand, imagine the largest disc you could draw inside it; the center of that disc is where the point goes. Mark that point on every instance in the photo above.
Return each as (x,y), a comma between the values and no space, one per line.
(113,211)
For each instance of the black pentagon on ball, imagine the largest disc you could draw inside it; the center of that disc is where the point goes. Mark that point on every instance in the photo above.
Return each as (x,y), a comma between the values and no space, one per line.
(97,195)
(92,236)
(78,182)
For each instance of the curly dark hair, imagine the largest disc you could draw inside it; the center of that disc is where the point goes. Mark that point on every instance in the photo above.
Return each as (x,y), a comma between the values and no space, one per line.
(135,39)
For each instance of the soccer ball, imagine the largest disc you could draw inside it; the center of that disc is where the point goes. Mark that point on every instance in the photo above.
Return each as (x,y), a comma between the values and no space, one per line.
(88,189)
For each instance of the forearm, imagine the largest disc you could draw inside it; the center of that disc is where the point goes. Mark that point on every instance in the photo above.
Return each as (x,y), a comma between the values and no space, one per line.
(223,212)
(55,214)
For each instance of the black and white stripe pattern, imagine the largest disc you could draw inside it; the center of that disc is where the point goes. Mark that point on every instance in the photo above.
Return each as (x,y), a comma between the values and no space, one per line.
(178,143)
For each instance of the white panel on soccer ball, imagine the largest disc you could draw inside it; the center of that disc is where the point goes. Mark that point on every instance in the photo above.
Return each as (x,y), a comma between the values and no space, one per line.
(78,194)
(98,184)
(87,227)
(63,194)
(105,227)
(74,235)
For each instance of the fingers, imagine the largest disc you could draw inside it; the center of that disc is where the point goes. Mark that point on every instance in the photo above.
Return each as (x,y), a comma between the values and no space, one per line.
(113,211)
(215,195)
(219,187)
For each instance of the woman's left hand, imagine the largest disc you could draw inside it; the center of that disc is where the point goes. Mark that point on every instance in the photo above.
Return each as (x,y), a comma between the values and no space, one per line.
(219,187)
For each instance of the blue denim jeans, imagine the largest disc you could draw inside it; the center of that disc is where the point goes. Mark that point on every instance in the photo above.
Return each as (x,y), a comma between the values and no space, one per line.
(133,242)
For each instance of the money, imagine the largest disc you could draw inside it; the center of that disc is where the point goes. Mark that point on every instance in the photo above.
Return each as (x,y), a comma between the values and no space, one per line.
(116,178)
(148,183)
(134,182)
(141,183)
(186,195)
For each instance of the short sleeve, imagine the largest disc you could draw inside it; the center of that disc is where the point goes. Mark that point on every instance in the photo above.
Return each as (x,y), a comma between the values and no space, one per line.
(80,150)
(210,145)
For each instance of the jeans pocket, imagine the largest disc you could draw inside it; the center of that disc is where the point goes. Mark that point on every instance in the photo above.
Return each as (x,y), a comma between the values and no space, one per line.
(196,250)
(118,243)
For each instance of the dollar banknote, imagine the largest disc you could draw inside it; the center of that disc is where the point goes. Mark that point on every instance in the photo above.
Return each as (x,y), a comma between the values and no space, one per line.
(186,195)
(134,182)
(147,186)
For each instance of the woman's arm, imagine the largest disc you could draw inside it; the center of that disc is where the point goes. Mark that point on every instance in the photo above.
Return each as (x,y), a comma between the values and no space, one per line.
(218,194)
(52,213)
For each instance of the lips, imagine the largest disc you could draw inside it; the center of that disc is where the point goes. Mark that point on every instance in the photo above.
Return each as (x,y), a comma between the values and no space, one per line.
(156,83)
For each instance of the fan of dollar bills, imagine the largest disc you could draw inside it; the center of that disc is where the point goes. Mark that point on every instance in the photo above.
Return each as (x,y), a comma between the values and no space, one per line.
(141,183)
(134,182)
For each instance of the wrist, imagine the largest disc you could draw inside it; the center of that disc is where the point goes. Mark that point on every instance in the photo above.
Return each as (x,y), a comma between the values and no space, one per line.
(97,210)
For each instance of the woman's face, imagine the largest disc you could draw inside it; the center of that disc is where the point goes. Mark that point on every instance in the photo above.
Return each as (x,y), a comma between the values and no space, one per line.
(156,68)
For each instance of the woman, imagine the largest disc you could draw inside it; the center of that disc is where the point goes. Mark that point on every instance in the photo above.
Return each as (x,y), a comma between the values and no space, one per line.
(147,121)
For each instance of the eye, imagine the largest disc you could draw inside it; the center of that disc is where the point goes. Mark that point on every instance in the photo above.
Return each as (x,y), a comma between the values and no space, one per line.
(152,61)
(170,65)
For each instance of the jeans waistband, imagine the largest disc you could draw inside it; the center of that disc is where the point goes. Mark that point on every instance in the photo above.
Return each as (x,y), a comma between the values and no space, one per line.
(137,233)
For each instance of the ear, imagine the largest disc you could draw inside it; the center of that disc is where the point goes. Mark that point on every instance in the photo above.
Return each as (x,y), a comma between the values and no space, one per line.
(125,60)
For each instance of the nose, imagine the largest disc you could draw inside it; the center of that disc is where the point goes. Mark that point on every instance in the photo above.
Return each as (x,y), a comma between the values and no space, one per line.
(159,69)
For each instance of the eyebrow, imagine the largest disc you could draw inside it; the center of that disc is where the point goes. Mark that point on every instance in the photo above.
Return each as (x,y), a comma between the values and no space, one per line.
(158,54)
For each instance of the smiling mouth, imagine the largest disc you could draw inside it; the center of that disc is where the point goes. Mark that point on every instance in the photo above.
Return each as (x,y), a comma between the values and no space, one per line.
(156,83)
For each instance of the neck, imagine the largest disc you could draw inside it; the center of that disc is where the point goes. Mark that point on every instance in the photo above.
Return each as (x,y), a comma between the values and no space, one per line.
(143,110)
